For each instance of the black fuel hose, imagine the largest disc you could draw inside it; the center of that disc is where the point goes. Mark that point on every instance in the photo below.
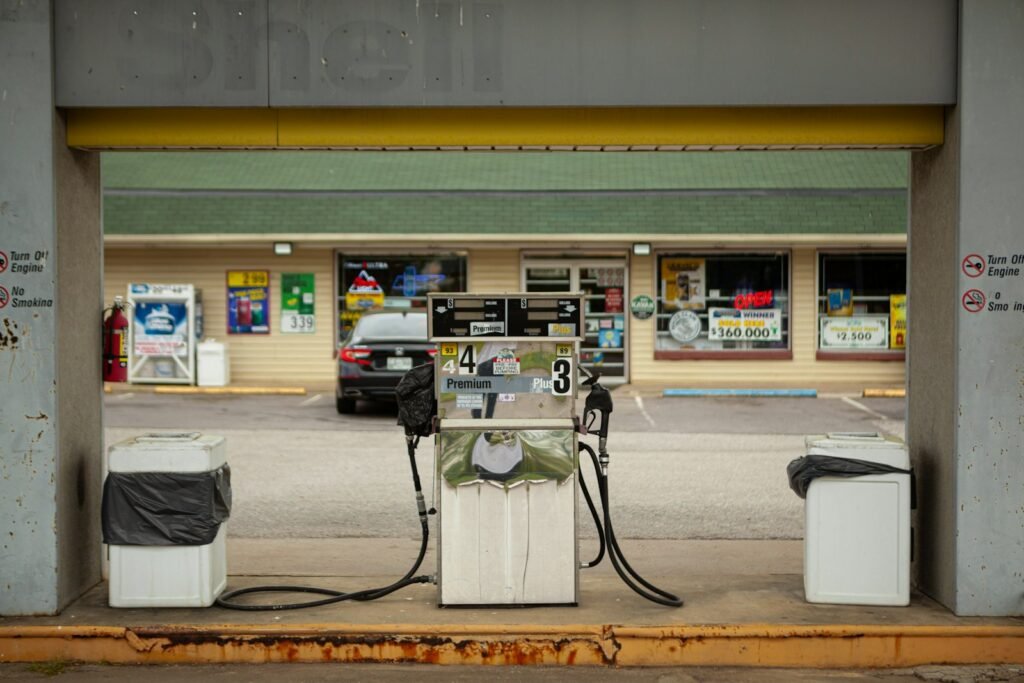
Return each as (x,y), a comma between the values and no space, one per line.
(625,571)
(593,511)
(227,600)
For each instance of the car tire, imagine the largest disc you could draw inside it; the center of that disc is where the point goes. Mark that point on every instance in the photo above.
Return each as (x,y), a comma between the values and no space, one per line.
(345,406)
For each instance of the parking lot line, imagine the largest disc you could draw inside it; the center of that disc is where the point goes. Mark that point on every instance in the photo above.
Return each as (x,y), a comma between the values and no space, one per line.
(861,406)
(312,399)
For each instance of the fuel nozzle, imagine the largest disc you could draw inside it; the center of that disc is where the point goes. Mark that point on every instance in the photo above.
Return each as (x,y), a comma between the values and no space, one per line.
(598,404)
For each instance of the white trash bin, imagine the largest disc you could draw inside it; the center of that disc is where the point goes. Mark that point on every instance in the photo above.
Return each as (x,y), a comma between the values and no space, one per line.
(857,529)
(213,366)
(176,575)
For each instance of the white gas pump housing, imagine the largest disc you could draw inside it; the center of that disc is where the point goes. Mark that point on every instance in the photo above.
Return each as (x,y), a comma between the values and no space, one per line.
(507,468)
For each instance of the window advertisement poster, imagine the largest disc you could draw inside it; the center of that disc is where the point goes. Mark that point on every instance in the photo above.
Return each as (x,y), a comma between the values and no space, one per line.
(855,332)
(373,283)
(297,303)
(897,321)
(683,283)
(248,302)
(840,302)
(613,300)
(736,324)
(609,339)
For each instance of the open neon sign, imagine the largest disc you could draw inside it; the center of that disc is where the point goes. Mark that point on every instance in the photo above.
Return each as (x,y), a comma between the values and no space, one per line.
(754,299)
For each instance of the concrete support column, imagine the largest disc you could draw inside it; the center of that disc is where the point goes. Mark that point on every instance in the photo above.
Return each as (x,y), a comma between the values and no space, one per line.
(50,304)
(966,360)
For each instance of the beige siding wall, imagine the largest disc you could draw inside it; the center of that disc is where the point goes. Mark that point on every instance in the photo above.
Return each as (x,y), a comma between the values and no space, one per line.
(494,270)
(275,358)
(803,370)
(308,359)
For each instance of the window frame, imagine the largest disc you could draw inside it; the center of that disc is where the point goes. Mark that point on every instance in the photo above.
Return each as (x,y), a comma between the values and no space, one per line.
(724,354)
(887,355)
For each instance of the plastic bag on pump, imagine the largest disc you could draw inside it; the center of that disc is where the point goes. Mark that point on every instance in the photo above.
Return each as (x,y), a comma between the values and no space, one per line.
(417,405)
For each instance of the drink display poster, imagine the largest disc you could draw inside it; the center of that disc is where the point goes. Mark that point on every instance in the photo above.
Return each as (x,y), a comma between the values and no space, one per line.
(248,302)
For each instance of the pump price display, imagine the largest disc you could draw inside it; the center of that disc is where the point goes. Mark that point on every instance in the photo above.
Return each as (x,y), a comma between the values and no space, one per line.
(519,317)
(734,324)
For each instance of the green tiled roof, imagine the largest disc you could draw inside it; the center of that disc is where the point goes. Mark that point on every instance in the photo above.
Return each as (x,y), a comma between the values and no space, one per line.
(495,213)
(507,171)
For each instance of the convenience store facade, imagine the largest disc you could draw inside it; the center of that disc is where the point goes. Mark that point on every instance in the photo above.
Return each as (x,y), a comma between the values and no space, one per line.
(710,258)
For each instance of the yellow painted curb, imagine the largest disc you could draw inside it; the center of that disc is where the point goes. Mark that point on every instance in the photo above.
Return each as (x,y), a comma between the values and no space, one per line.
(761,645)
(885,393)
(235,391)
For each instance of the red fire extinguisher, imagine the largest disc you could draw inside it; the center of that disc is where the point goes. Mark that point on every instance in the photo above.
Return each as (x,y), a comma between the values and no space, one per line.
(115,344)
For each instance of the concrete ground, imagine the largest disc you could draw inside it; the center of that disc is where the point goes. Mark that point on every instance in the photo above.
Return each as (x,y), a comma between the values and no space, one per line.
(700,498)
(682,468)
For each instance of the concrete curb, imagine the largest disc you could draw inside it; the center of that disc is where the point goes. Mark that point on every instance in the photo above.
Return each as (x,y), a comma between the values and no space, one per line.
(235,391)
(110,388)
(885,393)
(761,645)
(749,393)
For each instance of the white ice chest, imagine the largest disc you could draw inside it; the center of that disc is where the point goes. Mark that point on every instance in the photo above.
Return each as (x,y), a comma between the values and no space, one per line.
(857,530)
(168,576)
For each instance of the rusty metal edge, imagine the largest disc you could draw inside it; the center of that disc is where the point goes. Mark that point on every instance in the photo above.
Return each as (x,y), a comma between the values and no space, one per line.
(763,645)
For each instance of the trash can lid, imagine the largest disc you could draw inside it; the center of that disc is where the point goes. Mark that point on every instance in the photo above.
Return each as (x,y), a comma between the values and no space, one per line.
(853,440)
(894,457)
(168,452)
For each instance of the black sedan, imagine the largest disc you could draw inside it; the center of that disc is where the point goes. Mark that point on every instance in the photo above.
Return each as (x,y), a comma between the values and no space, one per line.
(380,349)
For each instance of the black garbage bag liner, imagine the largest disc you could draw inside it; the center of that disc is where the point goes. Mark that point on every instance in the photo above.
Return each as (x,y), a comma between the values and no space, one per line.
(165,508)
(803,471)
(417,405)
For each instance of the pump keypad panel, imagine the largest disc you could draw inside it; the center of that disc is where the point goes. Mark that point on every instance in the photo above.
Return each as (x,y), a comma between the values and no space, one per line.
(510,316)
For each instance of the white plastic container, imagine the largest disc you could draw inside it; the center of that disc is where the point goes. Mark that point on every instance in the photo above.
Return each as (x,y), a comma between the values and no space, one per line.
(168,576)
(213,365)
(857,530)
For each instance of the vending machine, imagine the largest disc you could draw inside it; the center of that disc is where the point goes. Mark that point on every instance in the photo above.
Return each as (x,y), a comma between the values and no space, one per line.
(507,467)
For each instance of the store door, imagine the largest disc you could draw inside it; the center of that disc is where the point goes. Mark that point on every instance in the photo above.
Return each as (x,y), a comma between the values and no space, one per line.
(603,284)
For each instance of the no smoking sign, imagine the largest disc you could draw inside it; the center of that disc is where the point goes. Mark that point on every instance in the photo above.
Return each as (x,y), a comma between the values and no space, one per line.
(973,300)
(5,297)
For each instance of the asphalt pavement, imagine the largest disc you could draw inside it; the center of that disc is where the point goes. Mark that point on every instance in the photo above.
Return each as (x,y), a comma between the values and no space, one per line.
(682,468)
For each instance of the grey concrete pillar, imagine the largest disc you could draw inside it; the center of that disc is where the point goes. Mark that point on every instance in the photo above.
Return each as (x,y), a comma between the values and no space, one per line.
(50,304)
(966,364)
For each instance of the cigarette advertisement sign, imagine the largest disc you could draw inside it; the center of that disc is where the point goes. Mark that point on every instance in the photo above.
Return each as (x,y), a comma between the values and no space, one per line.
(683,282)
(735,324)
(897,321)
(297,303)
(856,332)
(248,302)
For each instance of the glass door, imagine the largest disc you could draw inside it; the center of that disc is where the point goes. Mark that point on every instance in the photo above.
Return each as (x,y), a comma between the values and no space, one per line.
(603,284)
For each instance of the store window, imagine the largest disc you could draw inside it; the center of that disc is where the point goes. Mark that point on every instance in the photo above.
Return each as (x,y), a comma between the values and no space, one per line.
(723,304)
(393,282)
(862,304)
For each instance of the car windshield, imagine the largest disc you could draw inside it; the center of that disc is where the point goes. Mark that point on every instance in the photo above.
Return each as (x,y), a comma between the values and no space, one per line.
(392,326)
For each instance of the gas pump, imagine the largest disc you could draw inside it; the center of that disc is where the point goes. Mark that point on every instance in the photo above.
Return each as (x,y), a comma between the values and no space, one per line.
(500,400)
(506,451)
